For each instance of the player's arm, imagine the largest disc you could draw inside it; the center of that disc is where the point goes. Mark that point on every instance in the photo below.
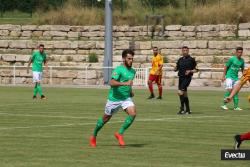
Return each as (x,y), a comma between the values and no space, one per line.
(115,77)
(224,73)
(243,68)
(160,65)
(132,93)
(176,68)
(46,65)
(29,63)
(194,68)
(191,71)
(226,66)
(114,82)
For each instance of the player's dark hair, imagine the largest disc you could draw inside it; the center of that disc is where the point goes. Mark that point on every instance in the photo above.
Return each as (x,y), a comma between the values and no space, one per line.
(126,52)
(239,48)
(155,47)
(41,45)
(184,47)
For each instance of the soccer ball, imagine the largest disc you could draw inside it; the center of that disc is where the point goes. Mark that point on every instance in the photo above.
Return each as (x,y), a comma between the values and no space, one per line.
(249,98)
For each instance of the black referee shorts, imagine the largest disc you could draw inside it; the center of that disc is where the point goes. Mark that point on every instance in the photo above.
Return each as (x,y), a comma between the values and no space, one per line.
(184,83)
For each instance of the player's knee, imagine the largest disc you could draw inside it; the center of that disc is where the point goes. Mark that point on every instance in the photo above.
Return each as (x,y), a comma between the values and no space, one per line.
(180,93)
(106,118)
(131,112)
(159,85)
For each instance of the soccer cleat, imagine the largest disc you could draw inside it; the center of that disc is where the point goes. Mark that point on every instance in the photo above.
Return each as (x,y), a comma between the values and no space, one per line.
(151,96)
(237,109)
(34,97)
(119,137)
(43,97)
(92,141)
(181,112)
(224,107)
(237,142)
(159,97)
(188,112)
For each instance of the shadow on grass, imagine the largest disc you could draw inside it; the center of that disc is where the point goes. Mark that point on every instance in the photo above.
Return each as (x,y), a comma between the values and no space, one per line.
(139,145)
(192,113)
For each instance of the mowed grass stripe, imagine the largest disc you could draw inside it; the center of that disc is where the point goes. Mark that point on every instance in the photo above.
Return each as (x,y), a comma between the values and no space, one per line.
(158,137)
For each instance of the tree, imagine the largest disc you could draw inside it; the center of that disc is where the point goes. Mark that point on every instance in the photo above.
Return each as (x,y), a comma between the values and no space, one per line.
(29,5)
(160,3)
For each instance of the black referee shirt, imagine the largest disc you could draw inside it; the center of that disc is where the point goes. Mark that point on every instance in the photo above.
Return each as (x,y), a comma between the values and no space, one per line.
(185,63)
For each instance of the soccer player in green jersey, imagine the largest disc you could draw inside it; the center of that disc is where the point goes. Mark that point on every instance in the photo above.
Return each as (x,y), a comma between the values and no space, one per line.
(37,59)
(230,76)
(119,96)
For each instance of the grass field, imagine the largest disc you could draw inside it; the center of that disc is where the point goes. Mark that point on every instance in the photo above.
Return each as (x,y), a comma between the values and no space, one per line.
(55,132)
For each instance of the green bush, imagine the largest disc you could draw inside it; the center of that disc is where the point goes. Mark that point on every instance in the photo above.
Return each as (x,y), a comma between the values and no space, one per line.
(165,59)
(29,5)
(159,3)
(93,58)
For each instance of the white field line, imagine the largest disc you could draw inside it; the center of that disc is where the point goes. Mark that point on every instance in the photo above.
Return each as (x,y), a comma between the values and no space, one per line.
(15,104)
(43,116)
(70,117)
(113,122)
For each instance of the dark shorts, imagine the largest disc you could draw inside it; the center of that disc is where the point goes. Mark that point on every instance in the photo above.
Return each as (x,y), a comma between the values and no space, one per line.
(184,83)
(155,78)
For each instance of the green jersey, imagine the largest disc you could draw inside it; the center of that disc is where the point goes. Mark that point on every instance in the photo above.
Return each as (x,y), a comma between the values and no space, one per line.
(234,65)
(121,74)
(37,61)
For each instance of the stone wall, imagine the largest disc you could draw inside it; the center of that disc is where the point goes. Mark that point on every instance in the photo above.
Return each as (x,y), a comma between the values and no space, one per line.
(211,45)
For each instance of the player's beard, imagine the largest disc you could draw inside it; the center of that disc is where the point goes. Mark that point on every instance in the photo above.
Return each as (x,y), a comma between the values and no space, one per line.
(128,65)
(41,50)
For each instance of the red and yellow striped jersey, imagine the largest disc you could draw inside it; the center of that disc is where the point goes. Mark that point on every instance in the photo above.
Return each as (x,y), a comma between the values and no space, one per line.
(157,61)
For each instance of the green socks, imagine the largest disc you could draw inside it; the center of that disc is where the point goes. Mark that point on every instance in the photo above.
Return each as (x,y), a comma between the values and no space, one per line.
(227,93)
(39,89)
(35,90)
(98,127)
(128,121)
(236,100)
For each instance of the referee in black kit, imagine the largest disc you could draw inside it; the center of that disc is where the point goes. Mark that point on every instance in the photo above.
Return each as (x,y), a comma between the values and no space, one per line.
(186,66)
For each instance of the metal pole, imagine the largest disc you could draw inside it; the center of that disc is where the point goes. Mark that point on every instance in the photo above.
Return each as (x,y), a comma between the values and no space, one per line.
(146,77)
(14,75)
(50,75)
(86,75)
(108,42)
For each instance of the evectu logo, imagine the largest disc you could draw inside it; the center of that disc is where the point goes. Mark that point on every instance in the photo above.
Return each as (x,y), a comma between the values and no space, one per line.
(235,154)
